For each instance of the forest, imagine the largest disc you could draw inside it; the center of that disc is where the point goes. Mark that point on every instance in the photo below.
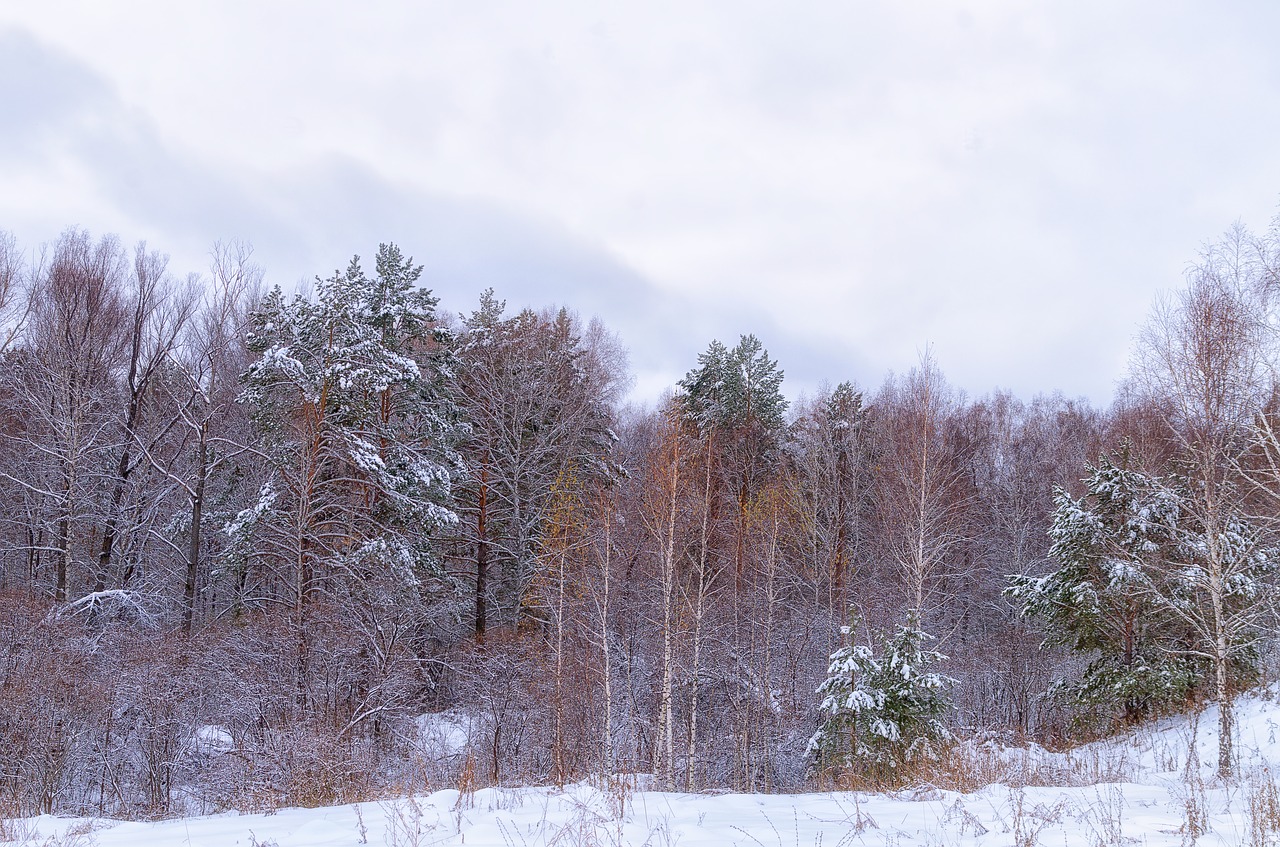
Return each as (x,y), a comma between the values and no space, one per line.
(253,544)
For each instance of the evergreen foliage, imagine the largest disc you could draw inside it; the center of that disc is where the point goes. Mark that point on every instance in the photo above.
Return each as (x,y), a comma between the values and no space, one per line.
(734,399)
(882,712)
(349,395)
(732,389)
(1131,573)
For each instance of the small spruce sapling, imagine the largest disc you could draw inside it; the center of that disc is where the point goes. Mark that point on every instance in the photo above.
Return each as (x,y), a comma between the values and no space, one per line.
(880,713)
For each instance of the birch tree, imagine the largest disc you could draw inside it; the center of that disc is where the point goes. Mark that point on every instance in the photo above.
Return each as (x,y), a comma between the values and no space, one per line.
(921,486)
(1202,354)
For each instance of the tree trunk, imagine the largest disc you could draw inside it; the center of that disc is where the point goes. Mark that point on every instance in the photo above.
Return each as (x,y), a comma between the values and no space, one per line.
(63,564)
(607,731)
(700,607)
(558,758)
(482,553)
(193,539)
(666,744)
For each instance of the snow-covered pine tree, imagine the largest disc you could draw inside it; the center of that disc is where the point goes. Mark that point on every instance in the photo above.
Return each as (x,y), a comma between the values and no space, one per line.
(1132,587)
(1103,598)
(881,713)
(349,394)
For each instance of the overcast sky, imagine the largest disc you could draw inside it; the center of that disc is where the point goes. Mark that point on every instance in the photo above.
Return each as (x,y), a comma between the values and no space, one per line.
(1010,182)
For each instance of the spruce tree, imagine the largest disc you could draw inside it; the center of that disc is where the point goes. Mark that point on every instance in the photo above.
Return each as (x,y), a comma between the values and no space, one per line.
(883,712)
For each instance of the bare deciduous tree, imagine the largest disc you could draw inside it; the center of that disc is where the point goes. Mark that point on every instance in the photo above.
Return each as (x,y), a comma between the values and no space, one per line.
(921,488)
(1202,354)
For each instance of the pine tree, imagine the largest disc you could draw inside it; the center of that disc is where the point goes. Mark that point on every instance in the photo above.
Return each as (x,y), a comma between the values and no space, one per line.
(1102,597)
(348,393)
(734,400)
(882,713)
(739,390)
(1131,587)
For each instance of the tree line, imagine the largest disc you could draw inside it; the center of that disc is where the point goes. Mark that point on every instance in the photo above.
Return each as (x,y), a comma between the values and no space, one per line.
(256,544)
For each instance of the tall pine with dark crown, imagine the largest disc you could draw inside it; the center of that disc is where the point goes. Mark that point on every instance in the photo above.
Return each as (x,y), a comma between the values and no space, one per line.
(358,432)
(734,398)
(736,389)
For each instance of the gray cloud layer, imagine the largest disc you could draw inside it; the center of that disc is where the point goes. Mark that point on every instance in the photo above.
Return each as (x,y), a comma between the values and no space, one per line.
(848,181)
(309,221)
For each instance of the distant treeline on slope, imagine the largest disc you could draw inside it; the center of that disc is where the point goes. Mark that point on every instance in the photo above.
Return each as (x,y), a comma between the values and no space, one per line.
(250,540)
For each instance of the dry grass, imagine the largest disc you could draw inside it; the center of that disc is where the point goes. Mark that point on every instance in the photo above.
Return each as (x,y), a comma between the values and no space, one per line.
(407,825)
(968,767)
(1030,822)
(468,784)
(1262,797)
(24,833)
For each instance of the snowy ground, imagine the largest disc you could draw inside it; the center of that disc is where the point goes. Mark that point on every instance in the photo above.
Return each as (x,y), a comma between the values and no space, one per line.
(1136,790)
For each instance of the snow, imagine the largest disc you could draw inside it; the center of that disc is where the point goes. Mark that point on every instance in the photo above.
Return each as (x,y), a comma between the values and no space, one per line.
(444,734)
(213,739)
(1136,789)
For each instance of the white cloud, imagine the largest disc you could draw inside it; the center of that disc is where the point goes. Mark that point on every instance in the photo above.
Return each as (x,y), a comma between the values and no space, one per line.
(1011,182)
